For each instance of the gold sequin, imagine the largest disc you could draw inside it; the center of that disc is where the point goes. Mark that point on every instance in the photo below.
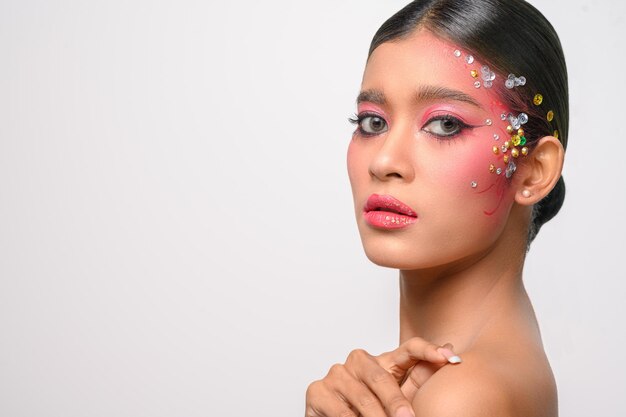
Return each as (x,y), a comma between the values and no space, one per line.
(550,116)
(514,152)
(492,168)
(507,144)
(506,159)
(524,151)
(556,134)
(538,99)
(474,73)
(496,150)
(520,132)
(509,129)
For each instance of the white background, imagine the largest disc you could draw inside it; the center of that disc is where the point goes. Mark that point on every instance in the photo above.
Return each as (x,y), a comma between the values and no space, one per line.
(177,235)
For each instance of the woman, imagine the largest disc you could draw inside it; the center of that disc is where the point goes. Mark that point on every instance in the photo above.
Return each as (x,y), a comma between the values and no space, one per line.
(455,164)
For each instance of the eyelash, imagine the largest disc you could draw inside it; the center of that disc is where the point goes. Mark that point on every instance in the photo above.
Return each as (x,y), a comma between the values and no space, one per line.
(357,119)
(448,117)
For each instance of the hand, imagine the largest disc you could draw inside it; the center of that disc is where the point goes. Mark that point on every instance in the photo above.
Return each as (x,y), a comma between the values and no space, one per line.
(371,385)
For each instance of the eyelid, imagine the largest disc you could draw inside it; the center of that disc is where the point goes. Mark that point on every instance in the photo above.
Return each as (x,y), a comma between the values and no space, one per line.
(443,111)
(444,115)
(461,124)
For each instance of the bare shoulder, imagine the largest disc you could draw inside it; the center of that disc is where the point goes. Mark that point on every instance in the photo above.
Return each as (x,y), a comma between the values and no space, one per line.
(484,385)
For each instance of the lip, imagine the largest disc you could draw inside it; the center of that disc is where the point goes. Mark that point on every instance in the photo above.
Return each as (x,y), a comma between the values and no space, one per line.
(387,212)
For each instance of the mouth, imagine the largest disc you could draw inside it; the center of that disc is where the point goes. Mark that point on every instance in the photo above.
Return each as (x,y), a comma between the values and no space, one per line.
(388,204)
(385,212)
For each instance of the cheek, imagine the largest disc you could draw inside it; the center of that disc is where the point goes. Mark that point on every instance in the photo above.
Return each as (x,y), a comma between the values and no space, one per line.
(354,160)
(350,159)
(489,197)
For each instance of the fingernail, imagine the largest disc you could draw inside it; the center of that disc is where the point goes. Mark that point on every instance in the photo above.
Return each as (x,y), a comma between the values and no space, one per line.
(404,412)
(451,356)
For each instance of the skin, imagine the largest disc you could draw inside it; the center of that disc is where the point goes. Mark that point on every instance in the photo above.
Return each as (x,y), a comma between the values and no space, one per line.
(460,265)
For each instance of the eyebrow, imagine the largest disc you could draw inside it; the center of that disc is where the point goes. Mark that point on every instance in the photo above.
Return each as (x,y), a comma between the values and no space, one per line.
(425,93)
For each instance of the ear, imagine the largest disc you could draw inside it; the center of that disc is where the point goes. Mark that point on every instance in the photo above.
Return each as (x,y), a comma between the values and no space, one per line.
(541,171)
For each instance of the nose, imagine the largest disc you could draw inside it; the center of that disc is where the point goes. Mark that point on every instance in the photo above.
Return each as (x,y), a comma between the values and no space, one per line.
(393,160)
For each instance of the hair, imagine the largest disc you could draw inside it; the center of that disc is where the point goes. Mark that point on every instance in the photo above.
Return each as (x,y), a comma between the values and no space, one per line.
(510,36)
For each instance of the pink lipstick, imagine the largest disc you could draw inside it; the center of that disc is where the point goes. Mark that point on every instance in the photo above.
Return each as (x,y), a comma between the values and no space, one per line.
(387,212)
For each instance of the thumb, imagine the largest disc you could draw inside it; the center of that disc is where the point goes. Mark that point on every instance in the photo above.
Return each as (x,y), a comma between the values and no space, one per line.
(399,361)
(422,371)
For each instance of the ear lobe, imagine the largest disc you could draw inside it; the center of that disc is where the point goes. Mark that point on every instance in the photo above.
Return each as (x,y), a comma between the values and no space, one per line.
(541,171)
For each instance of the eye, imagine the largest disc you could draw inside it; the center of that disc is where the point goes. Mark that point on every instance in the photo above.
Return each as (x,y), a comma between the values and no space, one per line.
(445,126)
(370,124)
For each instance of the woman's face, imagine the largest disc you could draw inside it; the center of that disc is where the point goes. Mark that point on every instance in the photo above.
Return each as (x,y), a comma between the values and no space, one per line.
(425,136)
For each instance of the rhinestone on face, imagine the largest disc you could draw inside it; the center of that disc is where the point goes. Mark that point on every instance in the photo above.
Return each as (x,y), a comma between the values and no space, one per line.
(457,53)
(477,84)
(550,116)
(496,136)
(499,171)
(488,122)
(523,118)
(503,116)
(474,184)
(504,148)
(469,59)
(509,84)
(538,99)
(510,169)
(488,84)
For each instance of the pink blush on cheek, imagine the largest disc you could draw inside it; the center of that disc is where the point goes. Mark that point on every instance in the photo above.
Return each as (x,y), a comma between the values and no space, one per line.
(491,189)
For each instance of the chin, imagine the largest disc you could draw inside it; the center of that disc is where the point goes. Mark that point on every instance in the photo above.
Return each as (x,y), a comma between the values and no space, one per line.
(411,253)
(390,255)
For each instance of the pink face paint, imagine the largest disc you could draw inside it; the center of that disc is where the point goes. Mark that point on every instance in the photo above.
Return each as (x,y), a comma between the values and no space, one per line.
(504,150)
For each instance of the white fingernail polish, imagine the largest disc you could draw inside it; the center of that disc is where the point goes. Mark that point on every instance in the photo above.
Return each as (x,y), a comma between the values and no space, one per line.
(454,359)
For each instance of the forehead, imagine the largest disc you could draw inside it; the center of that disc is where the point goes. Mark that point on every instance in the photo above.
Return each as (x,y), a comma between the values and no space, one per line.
(401,67)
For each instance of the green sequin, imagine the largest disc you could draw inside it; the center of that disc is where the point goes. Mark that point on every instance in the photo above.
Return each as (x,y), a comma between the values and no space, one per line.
(522,140)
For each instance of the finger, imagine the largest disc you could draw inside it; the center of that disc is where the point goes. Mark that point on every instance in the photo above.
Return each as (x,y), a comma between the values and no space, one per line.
(448,351)
(348,386)
(417,377)
(378,380)
(321,401)
(416,349)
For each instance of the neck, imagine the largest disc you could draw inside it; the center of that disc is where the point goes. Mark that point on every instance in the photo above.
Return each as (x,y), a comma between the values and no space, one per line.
(457,304)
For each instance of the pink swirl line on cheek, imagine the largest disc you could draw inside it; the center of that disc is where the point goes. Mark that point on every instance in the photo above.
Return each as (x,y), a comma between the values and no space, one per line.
(500,193)
(486,189)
